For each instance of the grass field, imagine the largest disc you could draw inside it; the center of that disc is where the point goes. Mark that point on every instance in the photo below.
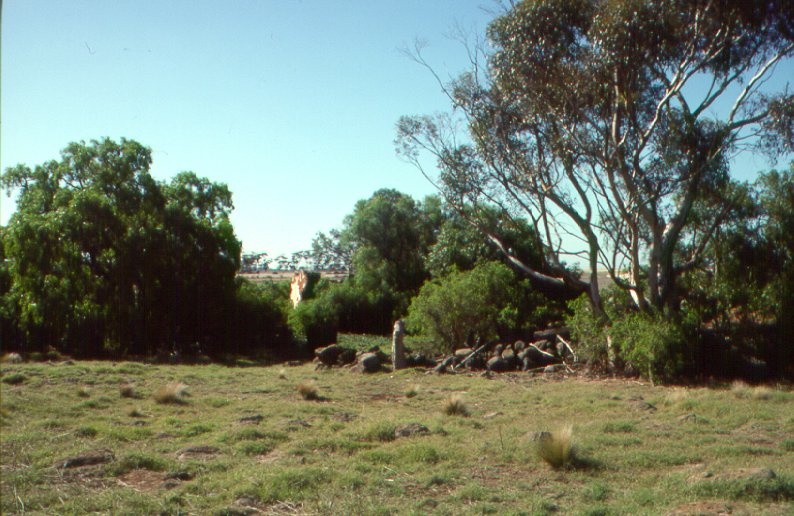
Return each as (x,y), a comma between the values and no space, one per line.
(91,437)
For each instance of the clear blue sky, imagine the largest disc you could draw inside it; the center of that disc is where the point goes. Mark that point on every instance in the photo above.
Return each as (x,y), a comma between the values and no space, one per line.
(293,104)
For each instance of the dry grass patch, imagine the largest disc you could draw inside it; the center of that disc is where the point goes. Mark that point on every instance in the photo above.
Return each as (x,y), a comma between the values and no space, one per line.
(309,391)
(173,392)
(742,390)
(282,374)
(412,391)
(455,406)
(556,448)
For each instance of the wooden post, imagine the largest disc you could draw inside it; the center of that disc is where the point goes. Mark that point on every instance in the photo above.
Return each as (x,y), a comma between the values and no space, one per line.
(397,347)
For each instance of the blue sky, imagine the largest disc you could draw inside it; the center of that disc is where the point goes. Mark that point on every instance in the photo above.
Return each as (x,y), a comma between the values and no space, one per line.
(293,104)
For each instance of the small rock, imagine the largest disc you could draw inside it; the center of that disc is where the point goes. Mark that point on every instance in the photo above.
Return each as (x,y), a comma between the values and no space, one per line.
(497,364)
(491,415)
(328,354)
(369,362)
(88,459)
(410,429)
(179,475)
(554,368)
(463,352)
(442,367)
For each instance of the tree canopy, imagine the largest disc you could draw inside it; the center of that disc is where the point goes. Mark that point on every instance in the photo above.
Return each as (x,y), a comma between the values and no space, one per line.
(100,255)
(605,124)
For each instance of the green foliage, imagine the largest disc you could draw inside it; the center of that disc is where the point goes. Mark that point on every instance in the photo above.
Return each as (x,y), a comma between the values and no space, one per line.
(588,331)
(101,257)
(315,321)
(654,345)
(483,302)
(657,347)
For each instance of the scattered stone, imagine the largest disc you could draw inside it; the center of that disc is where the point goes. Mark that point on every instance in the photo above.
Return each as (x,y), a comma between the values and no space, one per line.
(369,362)
(492,415)
(252,420)
(346,357)
(688,417)
(463,352)
(410,430)
(344,417)
(329,354)
(554,368)
(497,364)
(299,422)
(757,474)
(519,346)
(179,475)
(87,459)
(197,452)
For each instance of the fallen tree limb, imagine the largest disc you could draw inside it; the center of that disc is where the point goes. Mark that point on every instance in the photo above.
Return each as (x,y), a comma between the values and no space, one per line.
(570,348)
(469,357)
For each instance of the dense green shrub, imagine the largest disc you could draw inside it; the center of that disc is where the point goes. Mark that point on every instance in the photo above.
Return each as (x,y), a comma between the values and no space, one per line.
(257,321)
(588,331)
(485,301)
(315,321)
(655,346)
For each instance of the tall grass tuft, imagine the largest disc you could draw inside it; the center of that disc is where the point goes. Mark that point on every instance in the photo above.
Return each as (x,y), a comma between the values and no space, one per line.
(455,406)
(173,392)
(556,448)
(127,390)
(309,391)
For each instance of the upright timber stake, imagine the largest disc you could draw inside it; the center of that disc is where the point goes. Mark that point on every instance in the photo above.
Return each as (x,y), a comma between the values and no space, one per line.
(397,347)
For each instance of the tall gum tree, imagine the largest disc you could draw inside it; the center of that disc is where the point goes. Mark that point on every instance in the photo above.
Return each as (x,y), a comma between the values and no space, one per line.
(604,123)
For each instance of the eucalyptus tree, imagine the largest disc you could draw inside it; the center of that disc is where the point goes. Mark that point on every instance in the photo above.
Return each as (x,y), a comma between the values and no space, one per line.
(604,123)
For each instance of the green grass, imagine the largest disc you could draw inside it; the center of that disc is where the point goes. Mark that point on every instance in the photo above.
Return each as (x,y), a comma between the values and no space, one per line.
(340,455)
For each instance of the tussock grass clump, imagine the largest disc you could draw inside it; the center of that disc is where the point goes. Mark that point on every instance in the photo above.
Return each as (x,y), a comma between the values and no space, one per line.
(742,390)
(282,374)
(83,392)
(455,406)
(556,448)
(308,390)
(12,358)
(127,390)
(14,378)
(412,391)
(173,392)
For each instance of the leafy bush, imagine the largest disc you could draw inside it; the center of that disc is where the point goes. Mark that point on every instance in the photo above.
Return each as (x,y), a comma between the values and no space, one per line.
(588,330)
(654,345)
(485,301)
(315,321)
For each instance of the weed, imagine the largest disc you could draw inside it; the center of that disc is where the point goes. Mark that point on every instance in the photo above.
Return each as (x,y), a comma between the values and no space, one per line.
(556,448)
(455,406)
(14,378)
(86,431)
(134,412)
(382,431)
(309,391)
(173,392)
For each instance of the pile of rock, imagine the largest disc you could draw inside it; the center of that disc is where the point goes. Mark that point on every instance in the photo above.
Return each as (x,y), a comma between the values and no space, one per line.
(547,350)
